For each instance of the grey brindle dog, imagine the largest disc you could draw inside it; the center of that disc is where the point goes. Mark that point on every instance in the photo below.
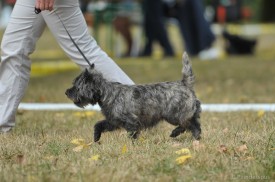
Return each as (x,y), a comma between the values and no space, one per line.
(136,107)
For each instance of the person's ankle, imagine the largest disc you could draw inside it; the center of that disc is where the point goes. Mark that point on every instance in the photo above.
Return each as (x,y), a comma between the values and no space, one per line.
(5,129)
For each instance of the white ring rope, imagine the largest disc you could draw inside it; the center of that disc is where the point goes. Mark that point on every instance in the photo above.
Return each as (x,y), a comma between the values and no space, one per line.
(205,107)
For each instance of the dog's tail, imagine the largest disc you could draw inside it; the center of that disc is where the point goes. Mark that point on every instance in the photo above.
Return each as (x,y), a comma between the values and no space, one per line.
(188,76)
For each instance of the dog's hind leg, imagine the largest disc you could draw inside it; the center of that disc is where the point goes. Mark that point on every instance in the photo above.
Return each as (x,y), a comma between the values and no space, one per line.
(195,127)
(102,126)
(177,131)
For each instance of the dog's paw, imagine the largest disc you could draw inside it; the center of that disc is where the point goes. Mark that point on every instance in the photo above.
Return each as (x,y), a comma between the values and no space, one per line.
(174,134)
(97,137)
(196,135)
(97,133)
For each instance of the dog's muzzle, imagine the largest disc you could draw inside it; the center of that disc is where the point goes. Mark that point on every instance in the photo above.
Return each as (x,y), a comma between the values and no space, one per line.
(67,93)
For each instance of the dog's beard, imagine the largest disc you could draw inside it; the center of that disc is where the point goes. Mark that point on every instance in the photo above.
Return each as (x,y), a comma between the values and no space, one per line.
(80,102)
(77,100)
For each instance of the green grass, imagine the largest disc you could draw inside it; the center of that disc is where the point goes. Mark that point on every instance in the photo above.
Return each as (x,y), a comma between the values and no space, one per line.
(235,146)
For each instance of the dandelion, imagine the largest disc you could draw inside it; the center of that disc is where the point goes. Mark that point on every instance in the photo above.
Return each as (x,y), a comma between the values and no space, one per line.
(185,154)
(184,151)
(80,144)
(94,158)
(124,149)
(182,159)
(260,114)
(78,141)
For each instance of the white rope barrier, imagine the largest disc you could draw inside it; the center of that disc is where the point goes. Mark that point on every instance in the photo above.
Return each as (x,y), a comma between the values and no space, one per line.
(238,107)
(205,107)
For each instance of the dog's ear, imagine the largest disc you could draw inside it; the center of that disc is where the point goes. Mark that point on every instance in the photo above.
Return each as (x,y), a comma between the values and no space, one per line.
(86,72)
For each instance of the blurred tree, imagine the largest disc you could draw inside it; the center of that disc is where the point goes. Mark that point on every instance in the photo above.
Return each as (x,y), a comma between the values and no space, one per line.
(260,10)
(267,12)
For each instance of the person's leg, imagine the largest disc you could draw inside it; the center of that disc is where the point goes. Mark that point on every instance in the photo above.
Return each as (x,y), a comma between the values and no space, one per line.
(149,35)
(19,39)
(205,35)
(147,27)
(160,29)
(155,28)
(69,12)
(188,31)
(194,27)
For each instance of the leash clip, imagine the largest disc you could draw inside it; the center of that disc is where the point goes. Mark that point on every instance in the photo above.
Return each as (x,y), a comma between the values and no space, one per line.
(37,10)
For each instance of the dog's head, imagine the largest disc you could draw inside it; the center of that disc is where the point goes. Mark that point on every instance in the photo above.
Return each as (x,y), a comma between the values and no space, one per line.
(85,88)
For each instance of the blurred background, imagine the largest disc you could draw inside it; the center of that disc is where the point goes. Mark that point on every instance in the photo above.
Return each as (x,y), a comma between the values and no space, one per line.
(236,67)
(119,25)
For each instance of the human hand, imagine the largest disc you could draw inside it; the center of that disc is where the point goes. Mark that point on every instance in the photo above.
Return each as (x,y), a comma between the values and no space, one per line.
(44,4)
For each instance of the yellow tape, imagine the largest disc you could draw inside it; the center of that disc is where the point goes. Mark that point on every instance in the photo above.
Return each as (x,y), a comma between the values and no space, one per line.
(46,68)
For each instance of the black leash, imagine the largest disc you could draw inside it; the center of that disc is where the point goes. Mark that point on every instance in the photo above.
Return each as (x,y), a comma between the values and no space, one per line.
(37,11)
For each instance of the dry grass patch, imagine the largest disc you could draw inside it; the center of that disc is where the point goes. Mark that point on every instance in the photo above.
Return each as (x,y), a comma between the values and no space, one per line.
(233,146)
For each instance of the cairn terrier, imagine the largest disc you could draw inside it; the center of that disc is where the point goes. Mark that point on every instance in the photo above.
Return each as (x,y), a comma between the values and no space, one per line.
(136,107)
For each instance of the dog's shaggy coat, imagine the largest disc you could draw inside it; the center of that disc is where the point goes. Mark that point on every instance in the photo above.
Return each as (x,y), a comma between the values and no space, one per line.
(135,107)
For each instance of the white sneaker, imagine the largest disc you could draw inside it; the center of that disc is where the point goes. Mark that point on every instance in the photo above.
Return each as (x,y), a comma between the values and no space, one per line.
(210,54)
(5,129)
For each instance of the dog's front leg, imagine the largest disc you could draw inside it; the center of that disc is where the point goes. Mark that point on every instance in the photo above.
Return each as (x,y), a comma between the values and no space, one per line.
(132,129)
(134,134)
(102,126)
(177,131)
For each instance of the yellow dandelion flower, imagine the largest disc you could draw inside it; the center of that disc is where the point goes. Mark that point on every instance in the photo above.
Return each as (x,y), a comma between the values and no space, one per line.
(260,113)
(80,144)
(94,158)
(183,151)
(78,141)
(182,159)
(124,149)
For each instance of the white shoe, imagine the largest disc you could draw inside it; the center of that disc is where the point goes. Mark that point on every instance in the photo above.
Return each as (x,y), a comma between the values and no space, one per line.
(5,129)
(210,54)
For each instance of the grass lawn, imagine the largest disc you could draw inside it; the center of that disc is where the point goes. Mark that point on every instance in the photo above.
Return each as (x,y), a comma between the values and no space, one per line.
(235,146)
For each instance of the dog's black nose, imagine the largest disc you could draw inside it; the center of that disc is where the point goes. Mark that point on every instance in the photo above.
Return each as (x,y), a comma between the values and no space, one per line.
(67,92)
